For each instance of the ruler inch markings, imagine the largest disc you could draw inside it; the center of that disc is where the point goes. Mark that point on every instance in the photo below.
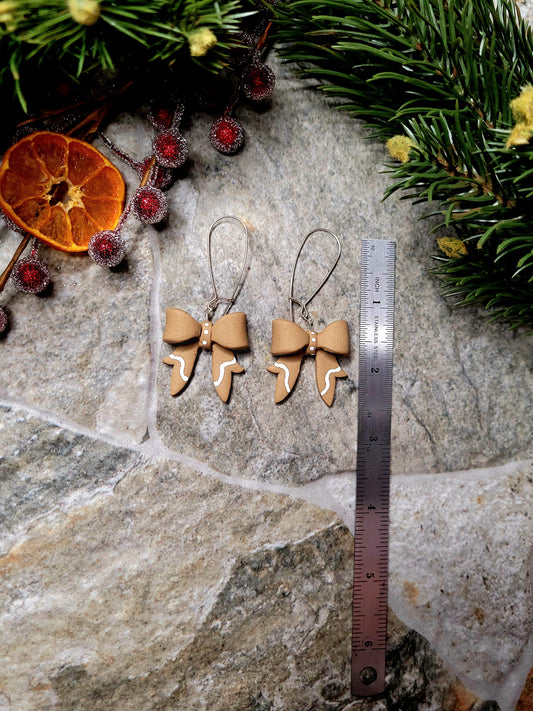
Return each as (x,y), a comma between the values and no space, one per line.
(371,535)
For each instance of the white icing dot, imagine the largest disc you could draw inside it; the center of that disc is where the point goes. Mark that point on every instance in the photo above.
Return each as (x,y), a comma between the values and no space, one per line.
(206,331)
(311,348)
(313,339)
(204,343)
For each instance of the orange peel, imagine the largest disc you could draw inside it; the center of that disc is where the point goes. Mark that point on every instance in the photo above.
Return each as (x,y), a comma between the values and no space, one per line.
(60,189)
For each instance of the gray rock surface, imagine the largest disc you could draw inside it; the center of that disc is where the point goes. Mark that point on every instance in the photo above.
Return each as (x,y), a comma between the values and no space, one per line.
(82,352)
(43,465)
(155,550)
(475,537)
(461,546)
(171,590)
(463,388)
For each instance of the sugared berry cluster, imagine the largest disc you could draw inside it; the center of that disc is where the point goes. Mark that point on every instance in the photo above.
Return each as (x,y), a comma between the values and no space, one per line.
(107,248)
(157,171)
(256,84)
(226,135)
(255,81)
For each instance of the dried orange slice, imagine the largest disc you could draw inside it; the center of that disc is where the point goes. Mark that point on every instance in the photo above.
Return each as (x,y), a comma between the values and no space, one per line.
(60,190)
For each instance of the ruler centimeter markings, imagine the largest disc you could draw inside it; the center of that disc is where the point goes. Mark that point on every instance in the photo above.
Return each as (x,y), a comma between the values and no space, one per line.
(371,537)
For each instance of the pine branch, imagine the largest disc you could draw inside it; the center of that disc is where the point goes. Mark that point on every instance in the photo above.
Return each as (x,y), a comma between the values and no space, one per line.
(441,73)
(93,36)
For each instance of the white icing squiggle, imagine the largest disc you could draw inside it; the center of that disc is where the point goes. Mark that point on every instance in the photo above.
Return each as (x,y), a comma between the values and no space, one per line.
(286,380)
(182,367)
(327,378)
(221,371)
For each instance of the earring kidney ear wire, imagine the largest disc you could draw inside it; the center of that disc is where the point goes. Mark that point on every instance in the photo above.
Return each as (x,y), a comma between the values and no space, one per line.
(291,342)
(223,337)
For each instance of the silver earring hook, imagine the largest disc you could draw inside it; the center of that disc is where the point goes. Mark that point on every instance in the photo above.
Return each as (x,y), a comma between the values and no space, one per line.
(214,302)
(301,303)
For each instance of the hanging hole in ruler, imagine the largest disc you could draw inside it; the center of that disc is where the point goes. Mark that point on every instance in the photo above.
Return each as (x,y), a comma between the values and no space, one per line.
(368,675)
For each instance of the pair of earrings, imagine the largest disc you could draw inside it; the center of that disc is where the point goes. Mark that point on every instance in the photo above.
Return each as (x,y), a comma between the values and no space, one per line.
(290,342)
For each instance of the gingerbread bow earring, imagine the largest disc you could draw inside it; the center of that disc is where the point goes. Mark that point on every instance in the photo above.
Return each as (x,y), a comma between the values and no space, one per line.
(292,343)
(223,337)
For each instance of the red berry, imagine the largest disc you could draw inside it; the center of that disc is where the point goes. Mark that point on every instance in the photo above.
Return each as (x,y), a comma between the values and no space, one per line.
(4,320)
(170,148)
(149,205)
(107,248)
(240,54)
(226,135)
(31,275)
(259,80)
(160,117)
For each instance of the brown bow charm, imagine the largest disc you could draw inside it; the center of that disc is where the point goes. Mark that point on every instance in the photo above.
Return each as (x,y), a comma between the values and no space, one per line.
(292,343)
(228,334)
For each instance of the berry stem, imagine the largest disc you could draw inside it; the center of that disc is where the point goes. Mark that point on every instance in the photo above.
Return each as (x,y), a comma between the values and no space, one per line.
(178,115)
(259,45)
(117,151)
(123,218)
(148,172)
(261,41)
(74,117)
(7,271)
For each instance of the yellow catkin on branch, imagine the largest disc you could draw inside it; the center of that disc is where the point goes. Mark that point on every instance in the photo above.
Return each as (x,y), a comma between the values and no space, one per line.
(520,135)
(201,41)
(452,247)
(400,147)
(84,12)
(522,110)
(7,14)
(522,106)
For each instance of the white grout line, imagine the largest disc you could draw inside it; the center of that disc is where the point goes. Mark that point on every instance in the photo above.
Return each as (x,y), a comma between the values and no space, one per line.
(318,492)
(60,421)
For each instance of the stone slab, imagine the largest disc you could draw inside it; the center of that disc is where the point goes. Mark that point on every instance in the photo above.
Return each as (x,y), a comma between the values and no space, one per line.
(461,546)
(104,546)
(82,349)
(474,537)
(463,388)
(172,590)
(42,466)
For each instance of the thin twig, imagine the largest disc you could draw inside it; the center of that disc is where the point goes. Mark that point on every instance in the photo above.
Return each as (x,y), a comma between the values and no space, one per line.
(7,271)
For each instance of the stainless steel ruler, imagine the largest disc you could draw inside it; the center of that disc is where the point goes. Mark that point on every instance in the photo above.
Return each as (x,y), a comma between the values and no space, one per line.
(371,540)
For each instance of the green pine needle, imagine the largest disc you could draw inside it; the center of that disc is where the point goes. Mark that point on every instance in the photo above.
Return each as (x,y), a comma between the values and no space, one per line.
(130,32)
(442,73)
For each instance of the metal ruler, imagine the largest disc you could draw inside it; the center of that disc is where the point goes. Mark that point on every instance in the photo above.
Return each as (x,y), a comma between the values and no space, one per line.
(371,539)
